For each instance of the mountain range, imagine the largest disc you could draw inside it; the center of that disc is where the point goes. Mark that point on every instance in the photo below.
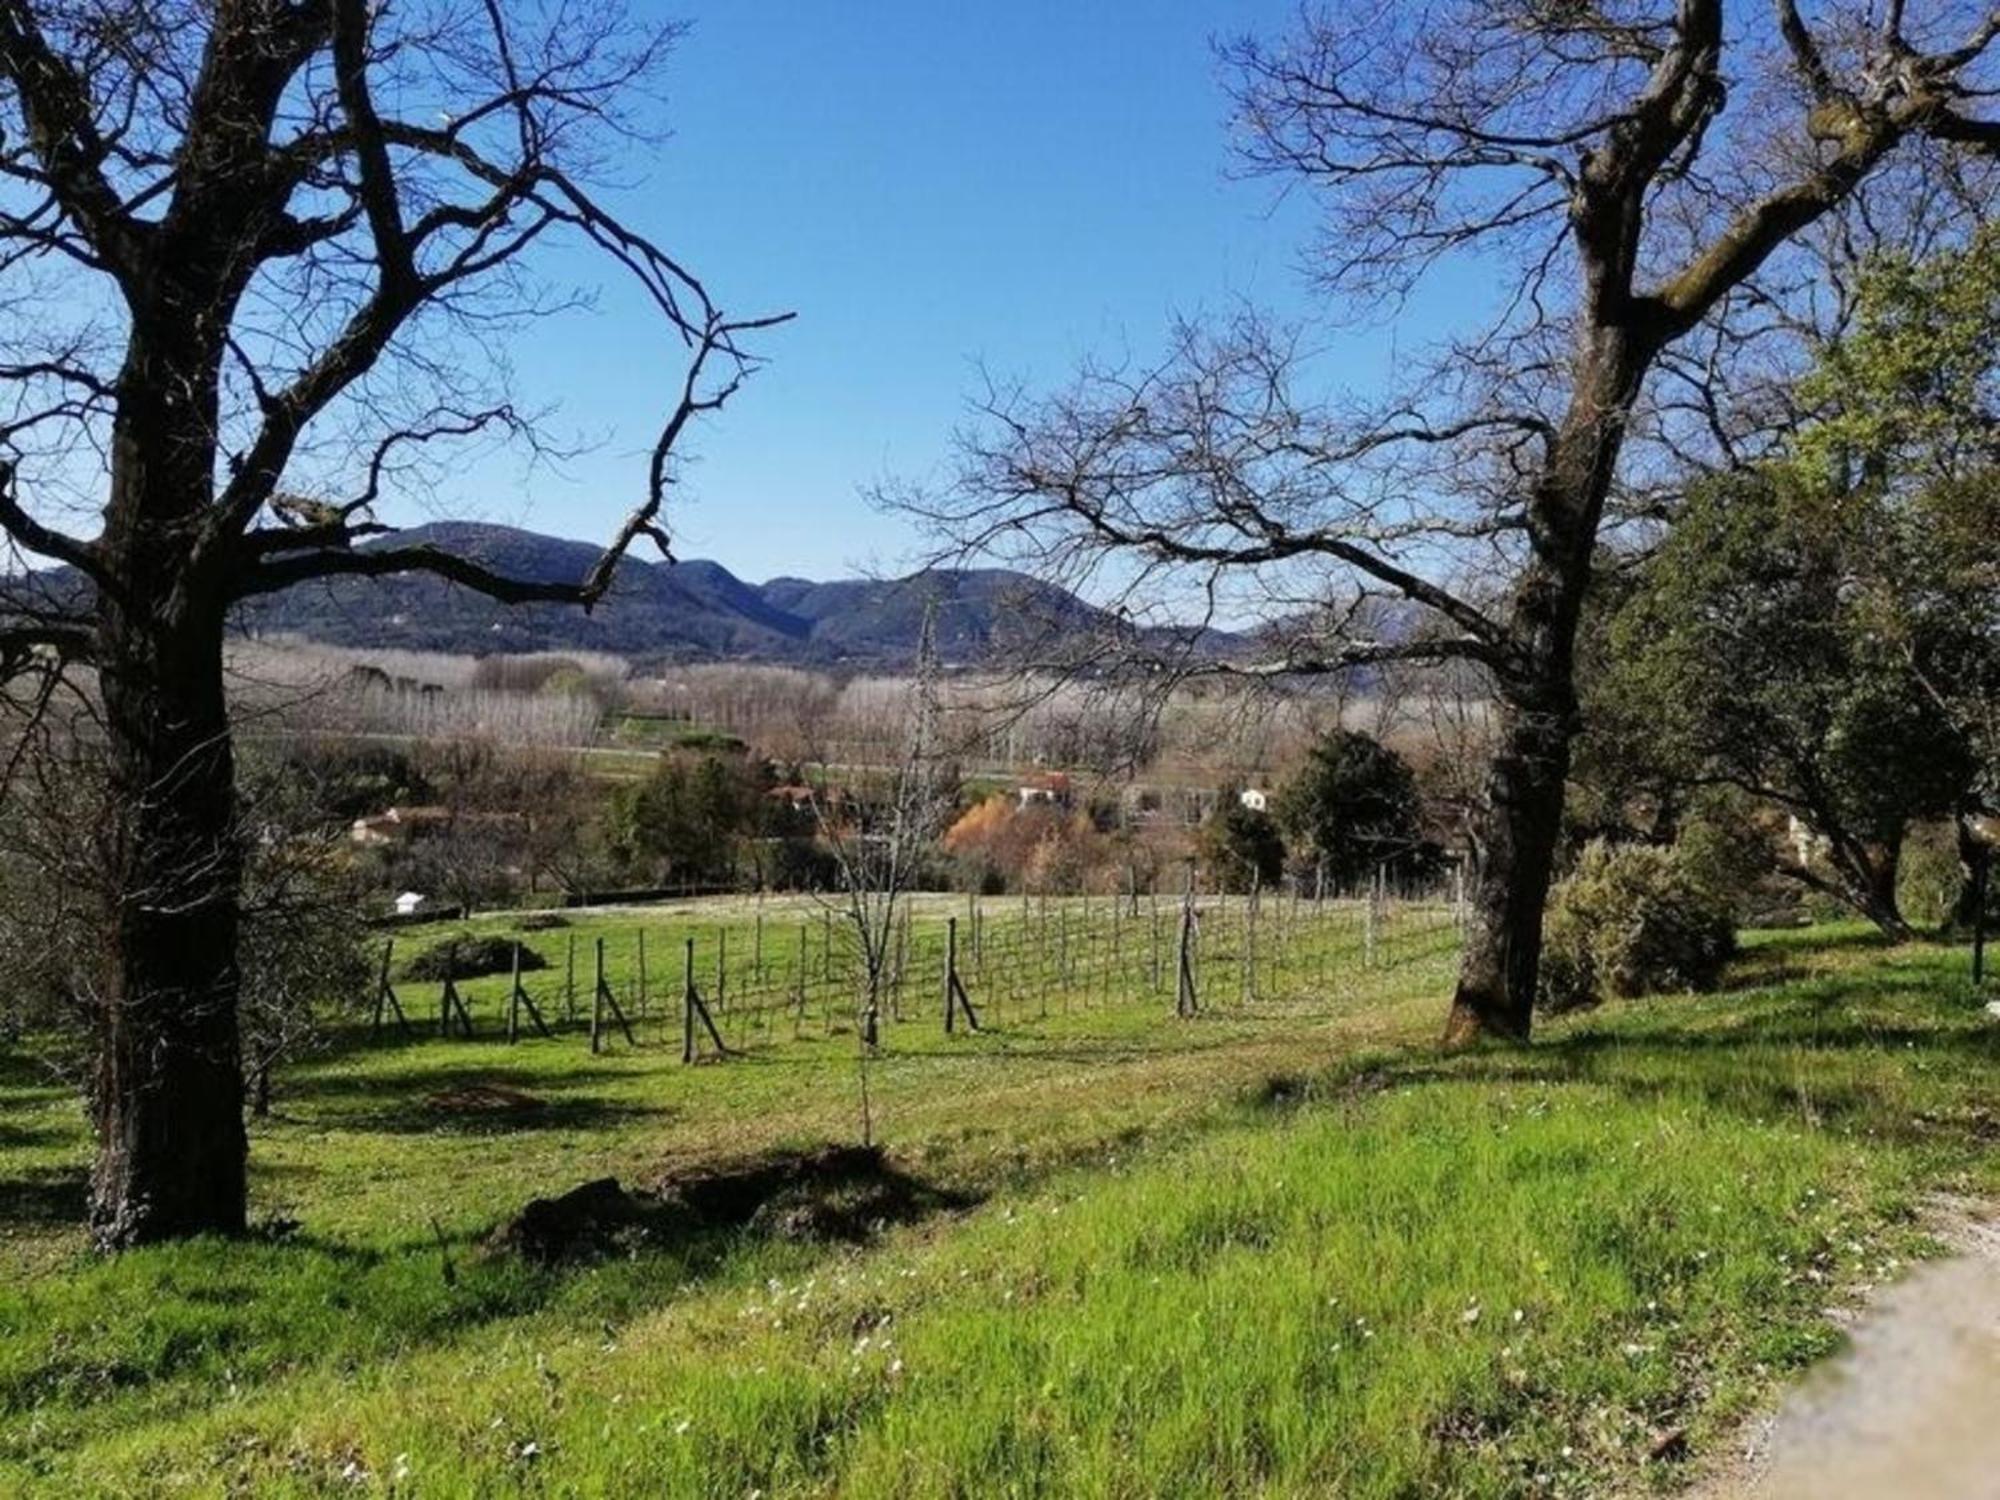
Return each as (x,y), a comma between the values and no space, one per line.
(691,611)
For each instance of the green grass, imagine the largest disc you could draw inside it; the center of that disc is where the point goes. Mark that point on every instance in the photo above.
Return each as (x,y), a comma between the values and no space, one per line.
(1285,1248)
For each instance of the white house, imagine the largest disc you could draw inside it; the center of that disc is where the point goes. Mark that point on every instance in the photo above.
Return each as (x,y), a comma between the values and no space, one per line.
(1050,787)
(1255,798)
(408,902)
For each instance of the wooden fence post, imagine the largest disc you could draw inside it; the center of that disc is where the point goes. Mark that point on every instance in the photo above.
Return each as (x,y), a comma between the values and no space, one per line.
(1185,1000)
(597,1002)
(518,997)
(692,1010)
(514,998)
(642,973)
(954,989)
(1371,918)
(385,994)
(799,986)
(569,981)
(450,1002)
(1250,937)
(1063,968)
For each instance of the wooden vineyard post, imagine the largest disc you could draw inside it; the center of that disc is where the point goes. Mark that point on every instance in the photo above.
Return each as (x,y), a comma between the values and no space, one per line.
(1371,919)
(757,945)
(955,997)
(569,981)
(1321,940)
(1042,954)
(517,998)
(1250,939)
(799,986)
(601,1000)
(642,974)
(722,968)
(1063,973)
(1155,942)
(1117,946)
(597,1001)
(693,1010)
(899,975)
(385,994)
(1103,960)
(1185,1001)
(514,997)
(450,1003)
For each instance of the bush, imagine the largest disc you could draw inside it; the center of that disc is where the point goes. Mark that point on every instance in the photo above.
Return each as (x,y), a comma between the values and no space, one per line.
(1631,921)
(1929,876)
(470,957)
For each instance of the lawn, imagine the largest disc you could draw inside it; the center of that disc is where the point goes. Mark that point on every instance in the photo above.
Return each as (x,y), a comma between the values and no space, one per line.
(1284,1247)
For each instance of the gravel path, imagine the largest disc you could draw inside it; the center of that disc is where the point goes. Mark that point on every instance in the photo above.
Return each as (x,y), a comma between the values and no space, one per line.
(1911,1410)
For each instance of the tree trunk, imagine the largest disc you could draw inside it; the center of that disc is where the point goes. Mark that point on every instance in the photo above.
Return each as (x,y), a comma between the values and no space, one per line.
(1503,945)
(1868,876)
(1522,817)
(1975,860)
(168,1090)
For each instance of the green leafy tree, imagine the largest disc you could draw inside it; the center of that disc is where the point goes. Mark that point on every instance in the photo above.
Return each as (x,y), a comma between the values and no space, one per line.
(1352,808)
(1749,656)
(1241,847)
(690,819)
(1908,410)
(1824,633)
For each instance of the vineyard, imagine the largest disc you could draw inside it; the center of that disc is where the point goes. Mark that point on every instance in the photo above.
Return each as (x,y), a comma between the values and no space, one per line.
(713,979)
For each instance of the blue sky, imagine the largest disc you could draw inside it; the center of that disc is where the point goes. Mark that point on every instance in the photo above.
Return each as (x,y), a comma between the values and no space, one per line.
(928,187)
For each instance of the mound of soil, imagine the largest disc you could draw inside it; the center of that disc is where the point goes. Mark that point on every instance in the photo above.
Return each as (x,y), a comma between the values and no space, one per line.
(470,957)
(835,1193)
(585,1223)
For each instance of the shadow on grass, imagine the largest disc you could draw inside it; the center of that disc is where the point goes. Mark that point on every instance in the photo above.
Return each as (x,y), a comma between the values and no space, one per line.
(314,1084)
(44,1198)
(164,1323)
(16,1137)
(463,1113)
(1843,1052)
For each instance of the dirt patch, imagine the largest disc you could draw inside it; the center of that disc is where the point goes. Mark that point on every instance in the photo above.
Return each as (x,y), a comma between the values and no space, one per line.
(476,1099)
(1908,1408)
(835,1193)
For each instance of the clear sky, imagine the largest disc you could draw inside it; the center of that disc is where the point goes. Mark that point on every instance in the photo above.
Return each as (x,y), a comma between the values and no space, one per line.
(929,186)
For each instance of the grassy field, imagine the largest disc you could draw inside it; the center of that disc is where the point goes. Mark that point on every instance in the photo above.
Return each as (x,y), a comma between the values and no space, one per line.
(1282,1248)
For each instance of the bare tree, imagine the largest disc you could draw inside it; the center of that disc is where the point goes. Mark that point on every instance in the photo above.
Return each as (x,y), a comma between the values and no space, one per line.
(879,838)
(253,250)
(1641,183)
